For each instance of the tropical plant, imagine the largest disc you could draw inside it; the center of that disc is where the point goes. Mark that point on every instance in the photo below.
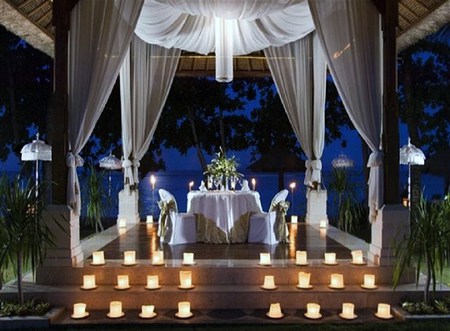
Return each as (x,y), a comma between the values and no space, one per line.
(95,194)
(222,165)
(25,235)
(427,246)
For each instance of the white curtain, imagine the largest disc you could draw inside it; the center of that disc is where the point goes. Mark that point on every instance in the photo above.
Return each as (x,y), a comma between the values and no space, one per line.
(145,79)
(350,35)
(299,72)
(255,24)
(100,32)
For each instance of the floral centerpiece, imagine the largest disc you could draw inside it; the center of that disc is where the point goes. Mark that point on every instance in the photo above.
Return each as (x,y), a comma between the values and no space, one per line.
(223,166)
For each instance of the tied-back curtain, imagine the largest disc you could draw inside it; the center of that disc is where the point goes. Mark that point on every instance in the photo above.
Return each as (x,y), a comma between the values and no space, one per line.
(350,35)
(100,32)
(299,72)
(145,80)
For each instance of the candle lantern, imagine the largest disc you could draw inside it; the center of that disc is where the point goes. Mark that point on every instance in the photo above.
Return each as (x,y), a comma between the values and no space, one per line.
(294,219)
(337,281)
(88,282)
(149,219)
(158,258)
(122,222)
(184,309)
(115,309)
(313,311)
(79,311)
(147,311)
(348,311)
(369,282)
(323,224)
(275,311)
(98,258)
(264,259)
(185,280)
(122,282)
(301,258)
(330,259)
(188,258)
(129,258)
(357,257)
(152,282)
(384,311)
(304,280)
(269,282)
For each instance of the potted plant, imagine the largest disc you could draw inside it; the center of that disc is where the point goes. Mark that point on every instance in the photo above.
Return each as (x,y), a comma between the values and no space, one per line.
(24,233)
(427,246)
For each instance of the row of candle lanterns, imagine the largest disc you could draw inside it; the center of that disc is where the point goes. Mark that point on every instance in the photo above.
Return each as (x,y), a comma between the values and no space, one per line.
(129,258)
(301,258)
(184,311)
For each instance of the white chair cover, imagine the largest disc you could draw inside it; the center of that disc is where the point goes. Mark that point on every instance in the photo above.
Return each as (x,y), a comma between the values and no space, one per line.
(181,228)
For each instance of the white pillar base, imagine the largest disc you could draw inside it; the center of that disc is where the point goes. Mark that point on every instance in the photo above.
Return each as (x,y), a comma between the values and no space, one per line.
(316,207)
(129,206)
(67,250)
(391,224)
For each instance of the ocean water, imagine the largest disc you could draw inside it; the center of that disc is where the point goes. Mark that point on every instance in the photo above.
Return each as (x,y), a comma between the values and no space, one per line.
(177,182)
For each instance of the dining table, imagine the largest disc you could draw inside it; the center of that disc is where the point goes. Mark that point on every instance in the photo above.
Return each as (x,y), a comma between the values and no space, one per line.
(223,216)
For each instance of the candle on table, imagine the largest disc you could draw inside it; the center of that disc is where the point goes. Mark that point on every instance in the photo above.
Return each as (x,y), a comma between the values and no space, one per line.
(253,183)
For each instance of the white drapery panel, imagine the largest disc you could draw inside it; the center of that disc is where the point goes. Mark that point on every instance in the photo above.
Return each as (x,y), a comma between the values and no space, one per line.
(100,32)
(350,35)
(299,72)
(145,79)
(255,24)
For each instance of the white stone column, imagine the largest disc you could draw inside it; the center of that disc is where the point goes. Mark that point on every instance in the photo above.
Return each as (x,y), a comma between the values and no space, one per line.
(129,205)
(316,206)
(65,226)
(390,226)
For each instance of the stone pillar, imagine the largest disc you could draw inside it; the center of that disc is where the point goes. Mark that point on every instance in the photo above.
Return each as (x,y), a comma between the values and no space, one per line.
(129,205)
(316,206)
(65,226)
(390,226)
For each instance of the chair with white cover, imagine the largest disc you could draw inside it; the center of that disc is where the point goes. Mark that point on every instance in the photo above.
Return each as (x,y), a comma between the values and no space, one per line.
(175,228)
(263,227)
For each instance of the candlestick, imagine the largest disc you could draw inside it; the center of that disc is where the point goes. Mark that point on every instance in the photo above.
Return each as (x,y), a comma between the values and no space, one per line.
(152,181)
(158,258)
(348,311)
(304,280)
(275,311)
(301,258)
(264,259)
(253,183)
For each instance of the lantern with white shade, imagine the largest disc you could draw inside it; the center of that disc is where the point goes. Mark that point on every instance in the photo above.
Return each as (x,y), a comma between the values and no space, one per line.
(79,311)
(269,282)
(275,311)
(115,309)
(313,311)
(184,309)
(304,280)
(147,311)
(384,311)
(348,311)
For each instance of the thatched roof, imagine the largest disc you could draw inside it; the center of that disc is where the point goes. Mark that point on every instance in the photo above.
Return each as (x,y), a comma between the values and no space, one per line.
(32,21)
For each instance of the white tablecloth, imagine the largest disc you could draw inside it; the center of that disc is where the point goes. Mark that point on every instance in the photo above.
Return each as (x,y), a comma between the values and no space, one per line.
(224,208)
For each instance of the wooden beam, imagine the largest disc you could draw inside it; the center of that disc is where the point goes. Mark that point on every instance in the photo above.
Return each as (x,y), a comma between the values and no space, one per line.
(390,106)
(35,10)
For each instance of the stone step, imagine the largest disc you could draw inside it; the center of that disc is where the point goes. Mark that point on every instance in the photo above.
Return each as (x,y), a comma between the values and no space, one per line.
(249,273)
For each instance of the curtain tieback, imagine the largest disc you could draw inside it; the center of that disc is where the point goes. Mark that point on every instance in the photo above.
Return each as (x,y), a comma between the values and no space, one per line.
(164,217)
(375,159)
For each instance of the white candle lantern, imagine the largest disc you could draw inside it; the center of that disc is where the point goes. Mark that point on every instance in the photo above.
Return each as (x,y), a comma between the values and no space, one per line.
(149,219)
(98,258)
(185,280)
(129,258)
(79,310)
(184,309)
(264,259)
(275,311)
(304,279)
(147,311)
(330,258)
(188,258)
(294,219)
(269,282)
(313,311)
(301,258)
(323,224)
(348,311)
(89,282)
(369,282)
(115,309)
(254,183)
(122,282)
(158,258)
(384,311)
(337,281)
(152,282)
(357,257)
(122,222)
